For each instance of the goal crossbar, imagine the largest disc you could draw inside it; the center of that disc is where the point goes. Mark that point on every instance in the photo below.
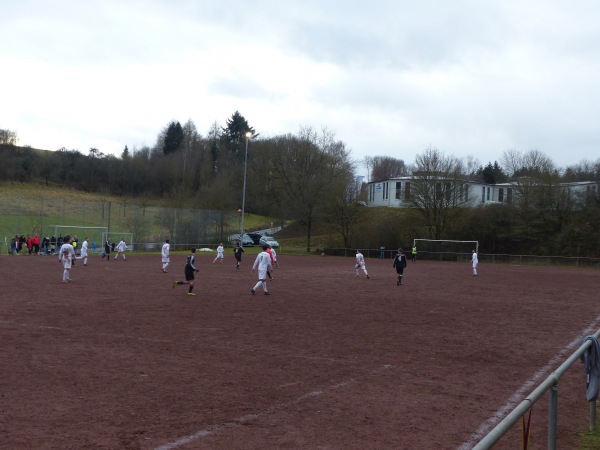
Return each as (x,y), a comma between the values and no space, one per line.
(447,240)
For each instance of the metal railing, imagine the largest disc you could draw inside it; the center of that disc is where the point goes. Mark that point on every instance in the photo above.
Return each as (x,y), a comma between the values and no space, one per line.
(551,385)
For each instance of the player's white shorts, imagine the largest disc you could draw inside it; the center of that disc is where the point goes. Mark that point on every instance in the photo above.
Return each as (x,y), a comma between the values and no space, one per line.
(220,256)
(165,259)
(262,274)
(66,263)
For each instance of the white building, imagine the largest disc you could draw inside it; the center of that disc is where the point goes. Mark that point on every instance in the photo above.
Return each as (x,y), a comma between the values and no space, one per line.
(396,192)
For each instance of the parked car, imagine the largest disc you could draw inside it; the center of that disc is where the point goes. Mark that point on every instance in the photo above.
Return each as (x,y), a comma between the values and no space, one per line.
(269,240)
(255,237)
(246,241)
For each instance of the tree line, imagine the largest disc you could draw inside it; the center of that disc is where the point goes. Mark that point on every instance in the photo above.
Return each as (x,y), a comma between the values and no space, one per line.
(309,176)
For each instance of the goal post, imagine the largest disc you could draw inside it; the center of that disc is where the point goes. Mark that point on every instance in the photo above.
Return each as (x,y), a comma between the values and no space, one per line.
(116,236)
(446,249)
(93,234)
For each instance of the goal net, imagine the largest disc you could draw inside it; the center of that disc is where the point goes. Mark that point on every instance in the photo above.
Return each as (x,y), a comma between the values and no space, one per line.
(93,234)
(116,236)
(445,249)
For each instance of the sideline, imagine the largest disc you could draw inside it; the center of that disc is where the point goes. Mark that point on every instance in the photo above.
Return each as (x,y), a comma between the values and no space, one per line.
(526,388)
(212,429)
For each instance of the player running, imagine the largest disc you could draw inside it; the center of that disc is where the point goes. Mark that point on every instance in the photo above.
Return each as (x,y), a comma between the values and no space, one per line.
(263,262)
(360,264)
(121,247)
(220,256)
(189,270)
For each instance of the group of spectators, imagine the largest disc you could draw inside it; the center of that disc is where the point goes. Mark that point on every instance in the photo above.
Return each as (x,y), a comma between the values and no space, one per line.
(33,245)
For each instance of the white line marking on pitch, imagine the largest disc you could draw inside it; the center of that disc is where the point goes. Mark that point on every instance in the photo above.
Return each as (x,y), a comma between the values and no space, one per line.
(526,388)
(212,429)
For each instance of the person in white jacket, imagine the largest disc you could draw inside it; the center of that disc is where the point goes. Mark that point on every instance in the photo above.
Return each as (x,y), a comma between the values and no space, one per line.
(263,263)
(121,247)
(475,261)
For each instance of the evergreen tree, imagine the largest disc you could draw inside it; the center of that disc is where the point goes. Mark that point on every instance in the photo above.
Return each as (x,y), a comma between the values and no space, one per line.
(235,133)
(173,138)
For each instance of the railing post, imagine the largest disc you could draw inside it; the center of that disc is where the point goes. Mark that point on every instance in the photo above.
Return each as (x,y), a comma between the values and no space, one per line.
(552,416)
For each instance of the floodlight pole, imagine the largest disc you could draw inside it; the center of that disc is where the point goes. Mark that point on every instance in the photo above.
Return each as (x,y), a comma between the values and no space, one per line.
(248,136)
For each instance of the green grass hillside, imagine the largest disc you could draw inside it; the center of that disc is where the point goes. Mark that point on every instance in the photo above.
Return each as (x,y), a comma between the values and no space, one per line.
(36,208)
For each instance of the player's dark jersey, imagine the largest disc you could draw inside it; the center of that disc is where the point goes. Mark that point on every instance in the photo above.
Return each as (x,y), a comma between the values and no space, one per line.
(237,252)
(190,263)
(399,261)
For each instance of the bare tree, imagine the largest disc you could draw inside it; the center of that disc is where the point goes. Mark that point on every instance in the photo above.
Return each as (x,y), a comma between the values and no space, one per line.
(386,167)
(437,190)
(8,137)
(302,169)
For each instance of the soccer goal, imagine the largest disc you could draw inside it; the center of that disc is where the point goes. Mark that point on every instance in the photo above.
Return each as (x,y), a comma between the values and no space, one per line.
(93,234)
(445,249)
(116,236)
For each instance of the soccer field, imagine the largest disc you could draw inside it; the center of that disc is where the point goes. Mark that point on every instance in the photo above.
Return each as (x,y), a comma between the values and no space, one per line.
(118,359)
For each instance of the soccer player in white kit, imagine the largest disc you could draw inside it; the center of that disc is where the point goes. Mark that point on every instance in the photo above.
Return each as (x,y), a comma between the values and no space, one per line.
(475,261)
(220,256)
(165,255)
(360,264)
(66,256)
(263,262)
(121,247)
(84,251)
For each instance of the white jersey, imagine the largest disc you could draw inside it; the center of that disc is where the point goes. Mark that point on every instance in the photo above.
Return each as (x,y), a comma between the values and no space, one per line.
(360,260)
(165,252)
(263,262)
(66,255)
(84,248)
(220,251)
(121,246)
(474,259)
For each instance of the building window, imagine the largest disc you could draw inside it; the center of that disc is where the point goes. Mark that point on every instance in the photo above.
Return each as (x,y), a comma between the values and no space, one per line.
(483,194)
(508,195)
(398,190)
(500,195)
(488,194)
(386,192)
(466,192)
(407,190)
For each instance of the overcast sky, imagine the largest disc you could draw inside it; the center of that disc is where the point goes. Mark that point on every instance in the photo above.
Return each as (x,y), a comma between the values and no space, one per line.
(389,78)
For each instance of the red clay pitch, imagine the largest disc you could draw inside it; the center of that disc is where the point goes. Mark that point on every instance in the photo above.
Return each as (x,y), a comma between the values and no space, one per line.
(118,359)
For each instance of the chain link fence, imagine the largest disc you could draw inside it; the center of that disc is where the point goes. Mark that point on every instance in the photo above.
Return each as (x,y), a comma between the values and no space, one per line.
(150,225)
